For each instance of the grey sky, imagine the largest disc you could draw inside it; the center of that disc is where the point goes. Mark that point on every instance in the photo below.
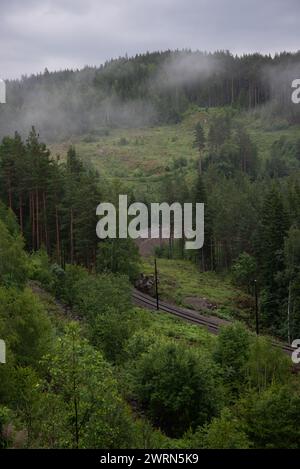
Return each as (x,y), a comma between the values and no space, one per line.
(59,34)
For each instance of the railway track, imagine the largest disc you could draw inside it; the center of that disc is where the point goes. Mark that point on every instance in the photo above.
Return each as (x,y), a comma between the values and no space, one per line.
(147,301)
(213,326)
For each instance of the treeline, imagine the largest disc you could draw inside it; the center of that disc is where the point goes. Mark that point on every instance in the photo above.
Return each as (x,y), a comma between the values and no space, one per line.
(148,89)
(252,217)
(55,202)
(176,79)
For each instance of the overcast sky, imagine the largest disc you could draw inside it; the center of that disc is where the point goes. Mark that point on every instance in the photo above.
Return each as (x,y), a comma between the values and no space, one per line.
(60,34)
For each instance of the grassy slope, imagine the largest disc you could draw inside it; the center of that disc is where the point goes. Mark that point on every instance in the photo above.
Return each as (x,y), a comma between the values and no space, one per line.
(139,155)
(178,329)
(143,155)
(264,135)
(161,323)
(141,159)
(180,281)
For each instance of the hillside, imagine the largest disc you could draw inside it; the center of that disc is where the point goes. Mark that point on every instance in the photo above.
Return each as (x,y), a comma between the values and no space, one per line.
(88,368)
(143,154)
(148,89)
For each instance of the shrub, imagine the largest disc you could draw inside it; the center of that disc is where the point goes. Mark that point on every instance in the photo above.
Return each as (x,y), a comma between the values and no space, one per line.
(177,386)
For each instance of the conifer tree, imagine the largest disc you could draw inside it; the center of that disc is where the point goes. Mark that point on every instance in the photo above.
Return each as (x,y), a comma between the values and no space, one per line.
(273,229)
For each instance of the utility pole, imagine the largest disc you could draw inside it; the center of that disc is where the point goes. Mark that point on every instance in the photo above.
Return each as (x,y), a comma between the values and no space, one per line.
(256,307)
(289,315)
(156,285)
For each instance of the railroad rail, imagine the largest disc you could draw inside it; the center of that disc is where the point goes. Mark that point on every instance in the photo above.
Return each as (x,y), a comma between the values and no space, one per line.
(213,326)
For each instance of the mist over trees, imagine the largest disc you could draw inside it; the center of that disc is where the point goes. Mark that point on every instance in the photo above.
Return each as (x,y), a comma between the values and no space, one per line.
(147,89)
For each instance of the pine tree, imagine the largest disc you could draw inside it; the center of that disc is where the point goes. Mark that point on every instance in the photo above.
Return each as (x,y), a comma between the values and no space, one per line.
(273,229)
(205,255)
(199,142)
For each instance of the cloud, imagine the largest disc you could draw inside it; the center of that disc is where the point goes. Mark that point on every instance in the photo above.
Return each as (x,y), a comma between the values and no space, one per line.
(185,68)
(60,34)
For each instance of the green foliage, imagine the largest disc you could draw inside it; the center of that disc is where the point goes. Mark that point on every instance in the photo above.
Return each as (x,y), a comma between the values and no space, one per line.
(232,353)
(223,432)
(54,203)
(292,272)
(8,218)
(266,365)
(174,373)
(219,130)
(67,286)
(92,413)
(230,152)
(270,418)
(111,330)
(177,387)
(24,325)
(5,416)
(13,261)
(96,294)
(119,256)
(40,269)
(27,399)
(273,229)
(283,158)
(149,438)
(199,137)
(243,271)
(139,343)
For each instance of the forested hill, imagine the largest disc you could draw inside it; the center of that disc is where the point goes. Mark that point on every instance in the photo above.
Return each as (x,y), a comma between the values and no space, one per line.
(147,89)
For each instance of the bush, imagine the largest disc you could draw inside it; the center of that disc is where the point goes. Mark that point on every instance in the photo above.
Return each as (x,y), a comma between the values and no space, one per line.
(243,271)
(111,330)
(25,326)
(95,294)
(5,417)
(13,260)
(224,432)
(231,353)
(66,288)
(178,387)
(266,364)
(271,417)
(119,256)
(40,269)
(84,407)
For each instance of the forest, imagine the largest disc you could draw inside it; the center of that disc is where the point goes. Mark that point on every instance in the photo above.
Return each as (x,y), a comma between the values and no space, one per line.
(148,89)
(86,367)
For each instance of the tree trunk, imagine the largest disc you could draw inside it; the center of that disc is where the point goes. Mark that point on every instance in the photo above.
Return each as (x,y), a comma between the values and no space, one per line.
(45,223)
(21,213)
(57,236)
(37,220)
(32,205)
(71,237)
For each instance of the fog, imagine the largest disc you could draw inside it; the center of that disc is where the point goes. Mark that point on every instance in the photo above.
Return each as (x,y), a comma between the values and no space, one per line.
(69,106)
(280,78)
(69,103)
(89,101)
(186,68)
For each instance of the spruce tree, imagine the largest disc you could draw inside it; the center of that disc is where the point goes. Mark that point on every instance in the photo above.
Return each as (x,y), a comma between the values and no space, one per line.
(205,255)
(273,229)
